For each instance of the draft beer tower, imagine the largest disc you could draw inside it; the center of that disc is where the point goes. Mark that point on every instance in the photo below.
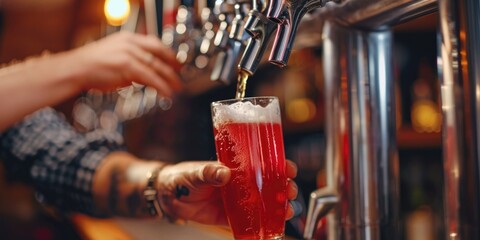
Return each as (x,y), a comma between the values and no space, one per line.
(361,197)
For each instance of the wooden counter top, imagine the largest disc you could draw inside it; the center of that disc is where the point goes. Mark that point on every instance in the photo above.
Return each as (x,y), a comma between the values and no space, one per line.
(145,229)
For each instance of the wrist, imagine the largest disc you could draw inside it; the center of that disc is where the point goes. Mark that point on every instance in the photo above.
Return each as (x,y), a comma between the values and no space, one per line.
(151,194)
(75,68)
(156,196)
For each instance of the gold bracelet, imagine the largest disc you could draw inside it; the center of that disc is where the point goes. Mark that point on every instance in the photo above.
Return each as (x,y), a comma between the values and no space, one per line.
(150,193)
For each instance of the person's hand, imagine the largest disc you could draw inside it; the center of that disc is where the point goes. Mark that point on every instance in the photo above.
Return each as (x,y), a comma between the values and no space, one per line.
(190,190)
(122,58)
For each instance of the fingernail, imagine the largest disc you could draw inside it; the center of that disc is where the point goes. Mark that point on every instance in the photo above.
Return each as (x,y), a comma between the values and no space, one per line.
(295,186)
(220,175)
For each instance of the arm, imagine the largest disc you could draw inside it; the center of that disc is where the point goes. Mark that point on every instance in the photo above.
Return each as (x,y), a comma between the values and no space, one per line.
(187,190)
(110,63)
(94,175)
(121,179)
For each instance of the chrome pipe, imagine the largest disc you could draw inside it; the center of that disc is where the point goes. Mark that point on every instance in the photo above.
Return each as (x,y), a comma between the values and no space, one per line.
(459,74)
(335,130)
(361,147)
(372,198)
(372,14)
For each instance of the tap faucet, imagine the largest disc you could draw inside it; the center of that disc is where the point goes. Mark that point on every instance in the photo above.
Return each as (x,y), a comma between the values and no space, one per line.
(288,13)
(260,28)
(321,202)
(205,47)
(231,41)
(225,12)
(183,35)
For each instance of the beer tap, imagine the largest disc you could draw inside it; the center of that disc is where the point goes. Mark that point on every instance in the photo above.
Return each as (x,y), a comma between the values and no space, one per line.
(225,12)
(260,28)
(322,201)
(288,14)
(184,33)
(205,46)
(231,41)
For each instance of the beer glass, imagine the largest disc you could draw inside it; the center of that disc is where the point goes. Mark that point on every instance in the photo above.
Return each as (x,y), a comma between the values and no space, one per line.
(249,140)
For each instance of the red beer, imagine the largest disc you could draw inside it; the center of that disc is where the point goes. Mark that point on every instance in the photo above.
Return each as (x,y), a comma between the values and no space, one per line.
(255,198)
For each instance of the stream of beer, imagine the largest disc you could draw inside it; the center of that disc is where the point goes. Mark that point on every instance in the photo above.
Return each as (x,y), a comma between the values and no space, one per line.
(241,84)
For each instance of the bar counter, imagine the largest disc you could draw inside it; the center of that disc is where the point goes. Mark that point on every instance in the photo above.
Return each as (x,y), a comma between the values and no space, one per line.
(146,229)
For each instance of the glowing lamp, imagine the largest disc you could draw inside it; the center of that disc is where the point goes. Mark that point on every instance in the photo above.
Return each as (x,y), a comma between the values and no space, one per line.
(116,11)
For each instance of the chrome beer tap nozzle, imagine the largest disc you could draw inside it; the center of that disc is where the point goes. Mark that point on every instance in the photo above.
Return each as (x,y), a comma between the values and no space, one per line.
(225,12)
(321,202)
(288,14)
(205,47)
(183,34)
(260,29)
(231,47)
(209,21)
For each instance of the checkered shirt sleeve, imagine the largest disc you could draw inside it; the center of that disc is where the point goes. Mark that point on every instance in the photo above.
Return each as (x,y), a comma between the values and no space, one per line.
(45,151)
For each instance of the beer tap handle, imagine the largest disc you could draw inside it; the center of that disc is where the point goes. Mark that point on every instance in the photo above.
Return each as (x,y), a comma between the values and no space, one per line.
(260,28)
(232,45)
(225,12)
(288,15)
(208,26)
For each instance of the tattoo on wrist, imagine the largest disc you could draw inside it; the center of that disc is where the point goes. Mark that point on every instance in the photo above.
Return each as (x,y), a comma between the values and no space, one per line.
(181,190)
(132,199)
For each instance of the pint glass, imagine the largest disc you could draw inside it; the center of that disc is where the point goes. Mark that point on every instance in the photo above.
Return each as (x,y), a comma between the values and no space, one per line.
(249,140)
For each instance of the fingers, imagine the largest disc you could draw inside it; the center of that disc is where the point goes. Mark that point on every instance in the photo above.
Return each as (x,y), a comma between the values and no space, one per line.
(147,76)
(292,190)
(153,44)
(290,212)
(151,53)
(167,73)
(166,79)
(291,169)
(213,174)
(294,209)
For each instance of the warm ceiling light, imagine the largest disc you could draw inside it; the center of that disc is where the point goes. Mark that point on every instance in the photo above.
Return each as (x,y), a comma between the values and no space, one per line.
(116,11)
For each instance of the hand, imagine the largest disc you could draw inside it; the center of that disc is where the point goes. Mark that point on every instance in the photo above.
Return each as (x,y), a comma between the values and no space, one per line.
(122,58)
(191,190)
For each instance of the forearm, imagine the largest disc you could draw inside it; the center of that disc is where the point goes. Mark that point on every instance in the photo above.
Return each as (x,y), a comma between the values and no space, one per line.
(36,83)
(119,183)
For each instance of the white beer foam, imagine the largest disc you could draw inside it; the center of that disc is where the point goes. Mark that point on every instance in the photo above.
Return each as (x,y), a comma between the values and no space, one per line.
(246,112)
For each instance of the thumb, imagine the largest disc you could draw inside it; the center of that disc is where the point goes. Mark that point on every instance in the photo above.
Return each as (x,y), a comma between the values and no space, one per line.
(214,174)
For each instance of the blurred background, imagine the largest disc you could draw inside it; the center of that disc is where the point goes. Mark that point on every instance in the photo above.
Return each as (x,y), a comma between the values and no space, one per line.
(183,131)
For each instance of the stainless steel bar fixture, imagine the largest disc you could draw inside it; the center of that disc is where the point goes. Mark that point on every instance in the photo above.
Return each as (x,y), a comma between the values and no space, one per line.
(230,38)
(362,189)
(288,15)
(274,16)
(459,71)
(362,163)
(260,29)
